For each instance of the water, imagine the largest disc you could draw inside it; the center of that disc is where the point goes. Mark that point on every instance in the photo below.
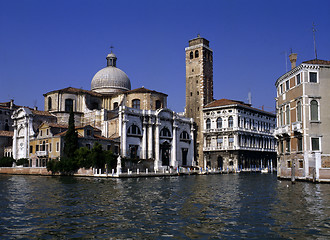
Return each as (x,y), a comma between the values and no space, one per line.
(190,207)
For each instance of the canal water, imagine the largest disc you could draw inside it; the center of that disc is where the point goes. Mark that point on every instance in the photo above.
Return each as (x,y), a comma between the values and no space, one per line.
(186,207)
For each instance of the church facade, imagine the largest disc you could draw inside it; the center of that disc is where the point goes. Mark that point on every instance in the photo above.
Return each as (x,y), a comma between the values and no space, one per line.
(138,120)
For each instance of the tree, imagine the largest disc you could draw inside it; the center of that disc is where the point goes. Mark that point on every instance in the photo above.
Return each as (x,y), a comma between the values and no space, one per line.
(70,138)
(98,156)
(83,157)
(6,162)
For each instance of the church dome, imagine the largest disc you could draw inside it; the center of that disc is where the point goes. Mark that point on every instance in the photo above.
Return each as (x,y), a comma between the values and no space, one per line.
(110,79)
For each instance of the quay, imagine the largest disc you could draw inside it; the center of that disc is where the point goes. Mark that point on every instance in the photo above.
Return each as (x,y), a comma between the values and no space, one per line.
(42,171)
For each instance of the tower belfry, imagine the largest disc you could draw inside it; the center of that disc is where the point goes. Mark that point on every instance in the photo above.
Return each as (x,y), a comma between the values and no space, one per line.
(199,85)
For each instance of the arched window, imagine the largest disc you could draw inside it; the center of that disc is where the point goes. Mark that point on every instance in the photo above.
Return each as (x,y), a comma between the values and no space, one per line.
(230,122)
(49,103)
(287,115)
(208,142)
(68,105)
(184,136)
(208,123)
(136,103)
(134,130)
(299,111)
(219,122)
(115,105)
(6,127)
(196,54)
(191,55)
(158,104)
(314,110)
(165,132)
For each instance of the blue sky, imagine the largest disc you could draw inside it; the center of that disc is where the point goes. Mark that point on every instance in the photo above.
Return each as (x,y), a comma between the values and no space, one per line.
(49,45)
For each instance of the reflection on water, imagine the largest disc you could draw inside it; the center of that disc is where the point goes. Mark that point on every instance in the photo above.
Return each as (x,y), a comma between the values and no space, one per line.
(188,207)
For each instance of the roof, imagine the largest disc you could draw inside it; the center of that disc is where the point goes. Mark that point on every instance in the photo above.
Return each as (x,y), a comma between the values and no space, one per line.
(318,61)
(6,133)
(226,102)
(41,113)
(74,90)
(144,90)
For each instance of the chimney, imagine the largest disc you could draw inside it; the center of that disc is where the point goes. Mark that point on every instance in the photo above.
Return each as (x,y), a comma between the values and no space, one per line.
(293,60)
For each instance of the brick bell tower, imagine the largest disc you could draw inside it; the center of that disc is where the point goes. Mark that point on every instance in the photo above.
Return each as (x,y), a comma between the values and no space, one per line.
(199,87)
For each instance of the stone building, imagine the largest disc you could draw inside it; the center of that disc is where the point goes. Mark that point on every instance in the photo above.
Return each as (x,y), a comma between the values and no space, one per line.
(238,136)
(138,118)
(199,86)
(48,143)
(6,128)
(303,120)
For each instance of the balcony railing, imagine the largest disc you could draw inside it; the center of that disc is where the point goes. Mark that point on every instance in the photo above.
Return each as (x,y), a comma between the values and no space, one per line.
(282,130)
(41,153)
(297,127)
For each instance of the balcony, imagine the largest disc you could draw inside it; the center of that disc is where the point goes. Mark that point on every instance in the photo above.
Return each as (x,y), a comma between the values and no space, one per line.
(42,153)
(297,127)
(282,130)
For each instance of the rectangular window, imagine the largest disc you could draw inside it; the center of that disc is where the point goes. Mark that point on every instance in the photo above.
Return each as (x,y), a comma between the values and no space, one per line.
(108,147)
(287,85)
(57,146)
(300,146)
(37,148)
(281,88)
(315,144)
(31,149)
(287,146)
(289,164)
(50,147)
(282,147)
(298,79)
(47,132)
(301,164)
(313,77)
(40,133)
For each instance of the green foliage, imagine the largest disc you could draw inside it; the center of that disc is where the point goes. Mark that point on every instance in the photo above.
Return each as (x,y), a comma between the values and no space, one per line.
(110,159)
(70,138)
(53,166)
(22,161)
(98,156)
(6,162)
(83,157)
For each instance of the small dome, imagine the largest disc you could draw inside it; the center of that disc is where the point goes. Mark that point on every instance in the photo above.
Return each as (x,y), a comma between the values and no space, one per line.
(110,79)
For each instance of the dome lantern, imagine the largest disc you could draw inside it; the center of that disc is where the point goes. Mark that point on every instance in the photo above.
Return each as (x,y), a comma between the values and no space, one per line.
(110,79)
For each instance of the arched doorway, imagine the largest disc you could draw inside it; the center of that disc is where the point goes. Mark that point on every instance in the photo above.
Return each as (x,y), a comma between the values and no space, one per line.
(165,153)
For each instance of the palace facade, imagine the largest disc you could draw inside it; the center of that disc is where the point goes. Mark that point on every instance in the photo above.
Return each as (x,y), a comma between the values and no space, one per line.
(303,120)
(238,136)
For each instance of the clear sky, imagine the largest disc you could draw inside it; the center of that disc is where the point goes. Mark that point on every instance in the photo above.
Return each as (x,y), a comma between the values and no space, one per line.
(49,45)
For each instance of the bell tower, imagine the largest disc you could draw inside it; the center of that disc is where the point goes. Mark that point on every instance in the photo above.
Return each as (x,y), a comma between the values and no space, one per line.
(199,86)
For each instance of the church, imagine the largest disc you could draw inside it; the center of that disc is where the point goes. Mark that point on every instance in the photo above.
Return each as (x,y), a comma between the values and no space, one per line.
(136,121)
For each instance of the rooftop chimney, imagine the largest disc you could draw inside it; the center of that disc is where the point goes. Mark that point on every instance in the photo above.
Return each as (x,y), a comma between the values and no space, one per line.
(293,60)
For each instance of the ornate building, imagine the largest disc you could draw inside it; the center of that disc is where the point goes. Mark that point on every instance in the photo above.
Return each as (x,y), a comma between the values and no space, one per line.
(138,119)
(199,86)
(238,136)
(303,120)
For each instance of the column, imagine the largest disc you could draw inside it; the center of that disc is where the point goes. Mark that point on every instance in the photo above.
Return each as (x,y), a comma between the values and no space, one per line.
(191,145)
(156,165)
(150,143)
(124,135)
(26,138)
(15,142)
(144,141)
(174,146)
